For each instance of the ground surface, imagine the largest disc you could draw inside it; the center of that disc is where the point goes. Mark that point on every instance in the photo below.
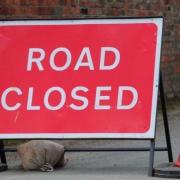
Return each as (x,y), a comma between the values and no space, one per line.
(104,165)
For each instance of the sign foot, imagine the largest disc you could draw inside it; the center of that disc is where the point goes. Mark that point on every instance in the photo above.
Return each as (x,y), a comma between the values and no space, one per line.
(167,170)
(3,167)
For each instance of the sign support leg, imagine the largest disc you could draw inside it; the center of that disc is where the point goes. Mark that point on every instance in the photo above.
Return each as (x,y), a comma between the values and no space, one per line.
(165,119)
(166,170)
(166,128)
(151,157)
(3,166)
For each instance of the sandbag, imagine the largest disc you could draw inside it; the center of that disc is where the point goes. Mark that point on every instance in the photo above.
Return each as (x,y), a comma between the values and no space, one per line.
(41,155)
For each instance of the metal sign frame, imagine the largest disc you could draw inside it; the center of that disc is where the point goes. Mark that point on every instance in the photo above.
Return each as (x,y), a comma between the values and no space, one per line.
(151,138)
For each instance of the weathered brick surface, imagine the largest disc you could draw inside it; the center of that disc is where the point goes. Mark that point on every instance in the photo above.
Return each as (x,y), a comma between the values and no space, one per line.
(170,9)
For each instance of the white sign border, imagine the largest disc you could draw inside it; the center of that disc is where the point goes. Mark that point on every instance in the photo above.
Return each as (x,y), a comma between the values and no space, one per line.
(150,134)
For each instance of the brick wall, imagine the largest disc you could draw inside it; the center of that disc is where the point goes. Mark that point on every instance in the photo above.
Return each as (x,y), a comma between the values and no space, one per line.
(170,9)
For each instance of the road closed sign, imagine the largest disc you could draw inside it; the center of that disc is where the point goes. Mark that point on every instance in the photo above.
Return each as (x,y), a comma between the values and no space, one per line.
(91,78)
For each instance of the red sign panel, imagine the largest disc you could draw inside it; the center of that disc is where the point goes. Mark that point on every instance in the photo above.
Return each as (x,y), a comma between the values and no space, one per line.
(79,78)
